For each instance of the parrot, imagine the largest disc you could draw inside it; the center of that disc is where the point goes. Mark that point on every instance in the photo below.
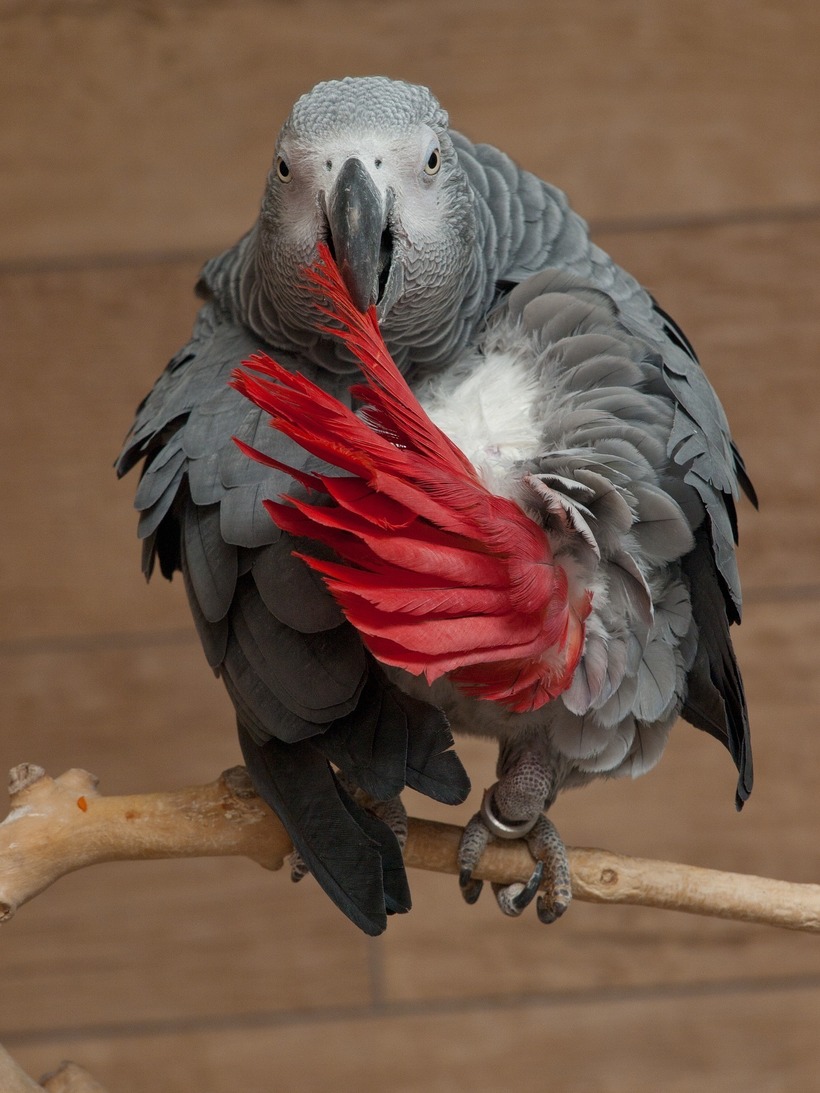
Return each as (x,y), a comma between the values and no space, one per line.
(498,498)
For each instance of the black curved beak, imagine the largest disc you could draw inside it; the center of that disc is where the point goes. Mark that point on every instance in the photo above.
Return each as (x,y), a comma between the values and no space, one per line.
(357,219)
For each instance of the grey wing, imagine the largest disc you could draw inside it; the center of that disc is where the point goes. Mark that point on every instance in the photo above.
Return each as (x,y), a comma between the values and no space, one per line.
(658,641)
(306,693)
(532,228)
(700,444)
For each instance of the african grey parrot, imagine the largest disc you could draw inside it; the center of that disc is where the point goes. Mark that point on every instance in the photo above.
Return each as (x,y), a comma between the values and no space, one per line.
(573,396)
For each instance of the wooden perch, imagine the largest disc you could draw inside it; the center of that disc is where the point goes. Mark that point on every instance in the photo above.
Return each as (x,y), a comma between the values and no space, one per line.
(67,1078)
(12,1078)
(57,825)
(70,1078)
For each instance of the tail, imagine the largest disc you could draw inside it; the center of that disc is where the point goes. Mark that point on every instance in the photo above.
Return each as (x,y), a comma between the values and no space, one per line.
(353,856)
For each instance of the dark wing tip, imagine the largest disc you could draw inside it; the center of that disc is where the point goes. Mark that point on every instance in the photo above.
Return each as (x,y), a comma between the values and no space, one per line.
(353,856)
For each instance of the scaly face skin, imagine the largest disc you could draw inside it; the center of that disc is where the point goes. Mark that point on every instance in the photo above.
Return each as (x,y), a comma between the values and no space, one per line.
(374,174)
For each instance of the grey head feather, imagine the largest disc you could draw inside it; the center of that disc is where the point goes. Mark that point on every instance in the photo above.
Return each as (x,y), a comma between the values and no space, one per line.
(497,225)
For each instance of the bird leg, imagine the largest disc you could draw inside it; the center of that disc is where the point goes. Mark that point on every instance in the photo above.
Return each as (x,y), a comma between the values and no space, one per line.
(514,809)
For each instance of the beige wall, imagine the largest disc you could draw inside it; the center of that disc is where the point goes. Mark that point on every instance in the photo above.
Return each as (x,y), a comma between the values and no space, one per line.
(148,127)
(134,141)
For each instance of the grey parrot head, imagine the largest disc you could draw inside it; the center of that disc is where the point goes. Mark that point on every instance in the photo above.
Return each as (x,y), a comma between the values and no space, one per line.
(367,165)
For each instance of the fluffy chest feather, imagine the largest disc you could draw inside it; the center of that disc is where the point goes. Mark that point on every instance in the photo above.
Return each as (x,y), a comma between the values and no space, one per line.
(485,405)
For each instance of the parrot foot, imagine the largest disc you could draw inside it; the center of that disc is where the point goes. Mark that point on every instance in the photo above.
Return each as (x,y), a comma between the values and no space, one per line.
(391,812)
(551,873)
(547,846)
(298,868)
(473,844)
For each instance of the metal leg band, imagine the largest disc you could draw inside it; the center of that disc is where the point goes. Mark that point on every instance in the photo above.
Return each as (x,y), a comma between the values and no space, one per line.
(500,828)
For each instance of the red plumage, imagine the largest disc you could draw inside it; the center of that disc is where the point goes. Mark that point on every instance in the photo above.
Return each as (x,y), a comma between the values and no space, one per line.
(439,575)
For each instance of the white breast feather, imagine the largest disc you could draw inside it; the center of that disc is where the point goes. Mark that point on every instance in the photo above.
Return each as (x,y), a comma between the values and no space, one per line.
(485,406)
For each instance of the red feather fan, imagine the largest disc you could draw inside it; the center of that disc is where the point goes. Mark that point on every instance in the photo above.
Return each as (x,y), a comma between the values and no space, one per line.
(439,575)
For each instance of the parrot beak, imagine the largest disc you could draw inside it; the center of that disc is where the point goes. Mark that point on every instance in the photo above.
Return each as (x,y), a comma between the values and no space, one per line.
(360,238)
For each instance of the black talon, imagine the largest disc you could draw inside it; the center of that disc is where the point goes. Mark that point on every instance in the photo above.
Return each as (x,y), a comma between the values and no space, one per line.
(527,894)
(470,889)
(550,912)
(298,869)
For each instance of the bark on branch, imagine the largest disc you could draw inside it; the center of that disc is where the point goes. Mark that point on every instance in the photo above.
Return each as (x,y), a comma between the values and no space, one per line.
(57,825)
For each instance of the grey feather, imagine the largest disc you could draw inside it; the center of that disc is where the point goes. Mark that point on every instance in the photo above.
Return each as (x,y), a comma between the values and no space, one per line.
(637,605)
(620,703)
(213,635)
(243,519)
(160,477)
(619,742)
(647,747)
(210,562)
(661,527)
(257,705)
(318,676)
(162,499)
(293,593)
(657,682)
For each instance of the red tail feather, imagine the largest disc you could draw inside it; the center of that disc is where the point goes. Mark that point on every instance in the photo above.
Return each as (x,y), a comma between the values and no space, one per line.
(439,575)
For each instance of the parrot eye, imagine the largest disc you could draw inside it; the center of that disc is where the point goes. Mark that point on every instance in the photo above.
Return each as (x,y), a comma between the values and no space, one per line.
(431,167)
(282,170)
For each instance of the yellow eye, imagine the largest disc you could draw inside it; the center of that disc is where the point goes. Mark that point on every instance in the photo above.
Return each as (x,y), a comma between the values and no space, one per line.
(433,164)
(282,170)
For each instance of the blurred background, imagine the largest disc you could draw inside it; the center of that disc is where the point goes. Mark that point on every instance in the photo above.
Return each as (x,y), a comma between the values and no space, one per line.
(134,143)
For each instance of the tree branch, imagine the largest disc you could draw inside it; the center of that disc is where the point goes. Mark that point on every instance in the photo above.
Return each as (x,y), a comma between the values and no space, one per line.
(13,1079)
(70,1078)
(67,1078)
(58,825)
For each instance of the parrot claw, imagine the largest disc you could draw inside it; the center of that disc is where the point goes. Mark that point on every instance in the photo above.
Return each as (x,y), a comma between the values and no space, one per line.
(470,889)
(547,846)
(514,898)
(473,844)
(551,873)
(298,868)
(551,912)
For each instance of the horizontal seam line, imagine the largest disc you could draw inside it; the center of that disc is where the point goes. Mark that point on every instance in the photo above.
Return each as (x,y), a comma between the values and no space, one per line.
(684,221)
(614,225)
(73,263)
(73,643)
(423,1007)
